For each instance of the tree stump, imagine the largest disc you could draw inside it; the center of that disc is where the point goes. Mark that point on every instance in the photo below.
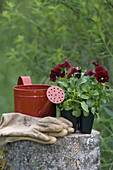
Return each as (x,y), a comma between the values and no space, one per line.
(72,152)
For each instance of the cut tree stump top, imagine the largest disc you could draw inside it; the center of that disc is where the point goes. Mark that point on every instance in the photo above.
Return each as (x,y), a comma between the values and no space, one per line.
(75,151)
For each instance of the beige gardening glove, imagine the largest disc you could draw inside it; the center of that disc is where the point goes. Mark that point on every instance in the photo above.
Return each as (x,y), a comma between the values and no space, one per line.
(64,123)
(17,126)
(8,139)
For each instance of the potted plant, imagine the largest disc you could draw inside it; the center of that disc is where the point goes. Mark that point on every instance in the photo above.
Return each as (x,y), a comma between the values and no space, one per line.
(85,92)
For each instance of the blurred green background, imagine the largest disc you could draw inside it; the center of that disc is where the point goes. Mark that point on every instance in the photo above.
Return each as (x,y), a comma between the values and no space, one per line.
(35,35)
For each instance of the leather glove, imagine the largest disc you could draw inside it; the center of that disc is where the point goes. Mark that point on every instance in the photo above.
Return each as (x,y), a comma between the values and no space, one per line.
(17,126)
(7,139)
(65,124)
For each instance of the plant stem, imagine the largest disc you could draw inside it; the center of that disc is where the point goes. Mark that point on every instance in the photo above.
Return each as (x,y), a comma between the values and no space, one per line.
(74,10)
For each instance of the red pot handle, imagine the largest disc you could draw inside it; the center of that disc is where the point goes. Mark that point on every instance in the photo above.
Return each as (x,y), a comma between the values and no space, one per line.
(24,80)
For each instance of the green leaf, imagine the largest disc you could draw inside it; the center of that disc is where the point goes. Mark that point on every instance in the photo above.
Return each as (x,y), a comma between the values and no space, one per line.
(69,90)
(84,96)
(107,94)
(85,87)
(81,81)
(76,112)
(66,105)
(96,97)
(109,90)
(79,92)
(85,113)
(94,82)
(62,79)
(20,38)
(103,100)
(90,102)
(62,83)
(84,106)
(93,110)
(95,93)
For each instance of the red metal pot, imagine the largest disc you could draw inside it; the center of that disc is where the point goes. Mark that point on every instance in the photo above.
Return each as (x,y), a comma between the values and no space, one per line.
(31,99)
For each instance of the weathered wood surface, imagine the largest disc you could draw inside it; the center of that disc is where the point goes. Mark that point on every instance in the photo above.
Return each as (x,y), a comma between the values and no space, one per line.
(75,151)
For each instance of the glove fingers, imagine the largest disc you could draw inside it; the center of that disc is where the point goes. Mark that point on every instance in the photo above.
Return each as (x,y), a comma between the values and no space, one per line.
(40,136)
(70,130)
(64,132)
(54,121)
(65,121)
(58,126)
(48,127)
(51,141)
(50,120)
(64,126)
(34,134)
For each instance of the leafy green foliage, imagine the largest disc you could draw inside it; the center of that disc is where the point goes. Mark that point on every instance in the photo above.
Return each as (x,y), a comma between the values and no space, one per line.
(76,112)
(82,94)
(84,106)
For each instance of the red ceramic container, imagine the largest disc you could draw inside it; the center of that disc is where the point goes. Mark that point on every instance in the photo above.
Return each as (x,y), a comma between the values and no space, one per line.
(31,99)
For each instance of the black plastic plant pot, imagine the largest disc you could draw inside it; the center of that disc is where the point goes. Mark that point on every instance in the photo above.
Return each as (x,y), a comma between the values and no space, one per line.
(86,123)
(67,114)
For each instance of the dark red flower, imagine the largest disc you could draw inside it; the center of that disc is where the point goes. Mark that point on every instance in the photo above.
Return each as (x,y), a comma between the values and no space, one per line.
(68,76)
(95,63)
(65,64)
(78,75)
(55,73)
(58,69)
(102,76)
(79,71)
(90,73)
(73,70)
(99,69)
(61,74)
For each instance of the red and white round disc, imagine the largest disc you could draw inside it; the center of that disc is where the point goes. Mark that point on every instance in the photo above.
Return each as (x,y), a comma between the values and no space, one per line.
(55,94)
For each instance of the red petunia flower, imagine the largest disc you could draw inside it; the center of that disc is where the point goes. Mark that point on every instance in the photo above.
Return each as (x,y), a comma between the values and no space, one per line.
(73,70)
(95,63)
(90,73)
(99,69)
(55,73)
(102,76)
(58,69)
(78,75)
(65,64)
(61,74)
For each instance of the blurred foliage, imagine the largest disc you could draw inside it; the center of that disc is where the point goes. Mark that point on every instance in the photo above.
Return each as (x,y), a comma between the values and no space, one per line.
(37,34)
